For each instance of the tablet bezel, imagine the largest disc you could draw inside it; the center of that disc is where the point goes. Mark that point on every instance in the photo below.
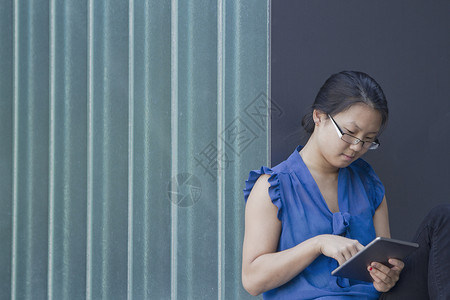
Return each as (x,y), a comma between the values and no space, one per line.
(379,250)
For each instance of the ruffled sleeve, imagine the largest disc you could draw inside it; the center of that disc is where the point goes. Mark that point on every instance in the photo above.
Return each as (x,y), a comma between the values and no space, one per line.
(274,189)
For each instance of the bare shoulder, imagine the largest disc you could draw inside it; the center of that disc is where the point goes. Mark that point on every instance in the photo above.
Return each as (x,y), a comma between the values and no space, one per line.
(261,184)
(262,226)
(259,196)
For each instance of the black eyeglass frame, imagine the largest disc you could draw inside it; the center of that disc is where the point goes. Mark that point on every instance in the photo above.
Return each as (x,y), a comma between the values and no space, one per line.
(355,141)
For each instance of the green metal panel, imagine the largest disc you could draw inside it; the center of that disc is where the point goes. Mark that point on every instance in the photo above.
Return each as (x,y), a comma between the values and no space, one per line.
(128,129)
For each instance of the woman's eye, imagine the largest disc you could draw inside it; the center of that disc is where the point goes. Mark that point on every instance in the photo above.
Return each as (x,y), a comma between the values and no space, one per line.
(349,131)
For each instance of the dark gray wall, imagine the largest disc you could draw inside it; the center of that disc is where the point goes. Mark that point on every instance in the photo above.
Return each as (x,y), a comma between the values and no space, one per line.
(405,46)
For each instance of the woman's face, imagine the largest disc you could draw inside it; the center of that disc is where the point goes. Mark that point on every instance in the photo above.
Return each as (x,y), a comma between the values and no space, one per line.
(361,121)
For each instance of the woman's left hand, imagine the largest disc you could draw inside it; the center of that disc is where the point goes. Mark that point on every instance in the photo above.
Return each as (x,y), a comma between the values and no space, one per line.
(384,277)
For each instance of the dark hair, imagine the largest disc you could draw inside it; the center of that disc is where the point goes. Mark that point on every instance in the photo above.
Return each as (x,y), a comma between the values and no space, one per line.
(344,89)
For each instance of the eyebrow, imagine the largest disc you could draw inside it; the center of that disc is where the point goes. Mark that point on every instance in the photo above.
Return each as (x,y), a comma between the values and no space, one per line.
(359,128)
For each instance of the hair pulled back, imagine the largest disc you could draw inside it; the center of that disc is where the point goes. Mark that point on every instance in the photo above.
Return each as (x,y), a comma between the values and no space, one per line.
(344,89)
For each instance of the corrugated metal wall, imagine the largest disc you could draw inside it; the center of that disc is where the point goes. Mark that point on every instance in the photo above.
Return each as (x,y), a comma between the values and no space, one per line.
(127,131)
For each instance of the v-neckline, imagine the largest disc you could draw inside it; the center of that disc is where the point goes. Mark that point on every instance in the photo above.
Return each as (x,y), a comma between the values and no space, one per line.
(314,184)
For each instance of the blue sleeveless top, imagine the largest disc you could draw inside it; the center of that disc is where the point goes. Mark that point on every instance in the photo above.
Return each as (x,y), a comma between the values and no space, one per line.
(304,214)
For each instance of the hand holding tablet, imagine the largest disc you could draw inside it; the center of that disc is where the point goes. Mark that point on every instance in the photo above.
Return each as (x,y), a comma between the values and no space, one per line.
(379,250)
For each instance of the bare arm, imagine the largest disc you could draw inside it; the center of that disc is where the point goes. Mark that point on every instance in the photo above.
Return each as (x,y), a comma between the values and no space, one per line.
(381,220)
(262,267)
(384,277)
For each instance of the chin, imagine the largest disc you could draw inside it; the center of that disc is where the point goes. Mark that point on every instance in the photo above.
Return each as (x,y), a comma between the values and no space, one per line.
(340,161)
(344,163)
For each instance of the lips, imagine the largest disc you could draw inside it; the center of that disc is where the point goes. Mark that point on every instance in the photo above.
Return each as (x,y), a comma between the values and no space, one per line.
(348,157)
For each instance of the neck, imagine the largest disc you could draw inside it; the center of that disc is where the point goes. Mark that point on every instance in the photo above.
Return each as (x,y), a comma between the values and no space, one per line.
(313,159)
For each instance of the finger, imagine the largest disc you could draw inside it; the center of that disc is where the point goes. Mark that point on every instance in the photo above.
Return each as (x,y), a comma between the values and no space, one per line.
(352,248)
(340,258)
(356,247)
(377,282)
(382,268)
(347,254)
(359,246)
(381,272)
(393,274)
(397,264)
(353,252)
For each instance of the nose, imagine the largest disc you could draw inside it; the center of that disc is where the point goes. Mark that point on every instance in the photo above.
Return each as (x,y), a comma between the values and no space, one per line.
(358,147)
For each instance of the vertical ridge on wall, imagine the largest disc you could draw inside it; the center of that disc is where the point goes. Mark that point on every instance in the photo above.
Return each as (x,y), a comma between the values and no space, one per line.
(269,76)
(130,148)
(90,145)
(189,218)
(146,138)
(220,149)
(104,125)
(174,147)
(146,159)
(51,185)
(30,160)
(15,134)
(233,86)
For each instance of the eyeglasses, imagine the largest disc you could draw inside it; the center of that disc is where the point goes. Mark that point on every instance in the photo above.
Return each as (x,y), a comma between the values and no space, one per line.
(354,140)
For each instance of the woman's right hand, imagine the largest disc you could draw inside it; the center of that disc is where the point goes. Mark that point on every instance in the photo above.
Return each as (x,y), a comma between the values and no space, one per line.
(338,247)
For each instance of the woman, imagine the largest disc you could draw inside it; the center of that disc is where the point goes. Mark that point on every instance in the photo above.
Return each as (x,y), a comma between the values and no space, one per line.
(319,207)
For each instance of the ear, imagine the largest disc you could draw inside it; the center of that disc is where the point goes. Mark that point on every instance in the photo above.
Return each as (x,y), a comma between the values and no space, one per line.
(319,116)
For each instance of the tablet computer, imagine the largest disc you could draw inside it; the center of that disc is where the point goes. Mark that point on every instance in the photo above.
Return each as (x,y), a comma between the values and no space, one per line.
(379,250)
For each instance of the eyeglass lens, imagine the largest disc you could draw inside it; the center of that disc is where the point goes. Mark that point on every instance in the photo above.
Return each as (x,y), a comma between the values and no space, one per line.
(353,140)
